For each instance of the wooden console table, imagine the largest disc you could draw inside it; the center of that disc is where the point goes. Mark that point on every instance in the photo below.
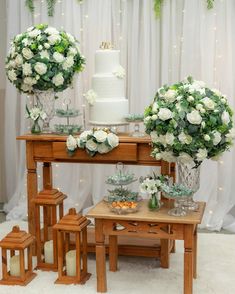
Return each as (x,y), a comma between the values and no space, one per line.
(48,148)
(145,224)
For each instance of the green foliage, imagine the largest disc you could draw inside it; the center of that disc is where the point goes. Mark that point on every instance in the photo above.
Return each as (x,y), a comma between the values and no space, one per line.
(30,5)
(51,7)
(210,4)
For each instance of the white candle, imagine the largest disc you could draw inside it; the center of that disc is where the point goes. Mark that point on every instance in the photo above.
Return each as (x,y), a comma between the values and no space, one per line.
(15,266)
(70,259)
(49,252)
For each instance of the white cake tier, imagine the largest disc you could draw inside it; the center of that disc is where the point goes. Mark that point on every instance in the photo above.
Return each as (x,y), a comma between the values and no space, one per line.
(108,86)
(109,111)
(106,61)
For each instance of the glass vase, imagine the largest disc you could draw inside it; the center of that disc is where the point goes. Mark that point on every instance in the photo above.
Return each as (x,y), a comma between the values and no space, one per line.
(36,129)
(154,202)
(46,100)
(189,176)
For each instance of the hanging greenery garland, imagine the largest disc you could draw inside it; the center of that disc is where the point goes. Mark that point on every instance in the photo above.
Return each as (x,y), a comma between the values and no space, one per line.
(51,6)
(158,6)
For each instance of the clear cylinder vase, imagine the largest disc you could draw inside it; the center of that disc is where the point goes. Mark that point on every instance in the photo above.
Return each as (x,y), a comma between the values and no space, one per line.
(36,129)
(189,176)
(154,202)
(46,100)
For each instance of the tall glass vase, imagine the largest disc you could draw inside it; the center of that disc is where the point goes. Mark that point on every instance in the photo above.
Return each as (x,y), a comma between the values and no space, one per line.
(154,202)
(189,176)
(46,100)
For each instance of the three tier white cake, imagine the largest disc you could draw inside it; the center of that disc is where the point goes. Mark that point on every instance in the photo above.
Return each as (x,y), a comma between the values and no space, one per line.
(107,102)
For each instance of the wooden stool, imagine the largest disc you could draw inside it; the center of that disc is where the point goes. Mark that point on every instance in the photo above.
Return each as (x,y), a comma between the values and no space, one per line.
(18,274)
(76,224)
(49,200)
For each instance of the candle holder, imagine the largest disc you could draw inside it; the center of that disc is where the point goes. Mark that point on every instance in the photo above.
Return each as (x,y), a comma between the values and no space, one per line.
(75,261)
(49,201)
(20,241)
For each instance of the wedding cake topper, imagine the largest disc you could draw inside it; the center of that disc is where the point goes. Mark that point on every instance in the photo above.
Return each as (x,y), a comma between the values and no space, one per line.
(106,45)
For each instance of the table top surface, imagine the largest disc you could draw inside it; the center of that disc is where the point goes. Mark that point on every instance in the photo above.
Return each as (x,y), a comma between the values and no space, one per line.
(123,138)
(102,211)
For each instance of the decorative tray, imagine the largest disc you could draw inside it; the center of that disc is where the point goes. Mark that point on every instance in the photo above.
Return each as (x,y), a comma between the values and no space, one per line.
(67,129)
(123,207)
(67,112)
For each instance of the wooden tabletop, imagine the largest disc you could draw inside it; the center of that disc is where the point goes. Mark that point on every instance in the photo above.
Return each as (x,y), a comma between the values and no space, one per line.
(123,137)
(102,211)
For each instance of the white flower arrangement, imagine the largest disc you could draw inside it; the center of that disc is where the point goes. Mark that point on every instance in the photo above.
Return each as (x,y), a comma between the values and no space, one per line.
(120,72)
(90,96)
(43,58)
(35,113)
(152,184)
(93,141)
(189,122)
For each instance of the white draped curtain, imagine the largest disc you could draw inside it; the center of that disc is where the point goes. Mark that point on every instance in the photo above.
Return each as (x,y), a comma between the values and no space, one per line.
(187,40)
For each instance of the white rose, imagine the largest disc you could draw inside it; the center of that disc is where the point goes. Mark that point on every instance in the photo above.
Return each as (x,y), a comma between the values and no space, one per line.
(83,136)
(201,154)
(71,143)
(30,29)
(154,136)
(216,138)
(199,106)
(70,37)
(158,156)
(209,104)
(154,107)
(225,118)
(230,136)
(91,145)
(154,117)
(52,39)
(51,31)
(168,156)
(26,88)
(40,68)
(34,33)
(185,157)
(169,138)
(178,106)
(47,46)
(30,81)
(170,95)
(223,100)
(190,99)
(194,117)
(26,42)
(100,136)
(58,57)
(207,138)
(103,148)
(19,60)
(44,54)
(69,62)
(72,51)
(146,119)
(203,124)
(12,75)
(217,92)
(90,96)
(184,138)
(113,140)
(27,69)
(202,110)
(27,53)
(119,72)
(35,113)
(40,47)
(165,114)
(178,98)
(58,80)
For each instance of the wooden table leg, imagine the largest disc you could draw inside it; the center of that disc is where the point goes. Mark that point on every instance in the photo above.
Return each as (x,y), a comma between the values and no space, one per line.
(32,188)
(100,257)
(188,259)
(165,254)
(195,253)
(47,185)
(113,253)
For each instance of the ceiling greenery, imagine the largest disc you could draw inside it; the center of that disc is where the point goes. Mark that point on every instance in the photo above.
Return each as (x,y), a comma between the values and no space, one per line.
(51,6)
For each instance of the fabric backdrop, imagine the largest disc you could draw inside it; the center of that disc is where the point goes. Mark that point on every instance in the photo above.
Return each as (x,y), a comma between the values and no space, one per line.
(187,40)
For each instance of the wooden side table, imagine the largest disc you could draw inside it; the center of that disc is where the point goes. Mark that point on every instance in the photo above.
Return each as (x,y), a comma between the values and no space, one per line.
(145,224)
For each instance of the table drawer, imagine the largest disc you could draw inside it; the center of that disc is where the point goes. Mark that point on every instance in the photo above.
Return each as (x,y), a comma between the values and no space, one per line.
(124,152)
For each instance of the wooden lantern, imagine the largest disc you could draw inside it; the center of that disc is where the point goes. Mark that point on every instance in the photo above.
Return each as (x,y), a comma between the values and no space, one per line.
(17,240)
(50,201)
(72,225)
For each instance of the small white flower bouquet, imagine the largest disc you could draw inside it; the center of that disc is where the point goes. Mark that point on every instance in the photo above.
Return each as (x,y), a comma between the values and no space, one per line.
(152,184)
(189,122)
(35,113)
(93,141)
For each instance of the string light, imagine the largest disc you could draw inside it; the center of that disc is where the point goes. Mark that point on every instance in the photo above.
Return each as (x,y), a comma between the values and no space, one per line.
(120,11)
(210,212)
(120,38)
(221,162)
(220,188)
(57,165)
(62,14)
(86,16)
(215,28)
(39,176)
